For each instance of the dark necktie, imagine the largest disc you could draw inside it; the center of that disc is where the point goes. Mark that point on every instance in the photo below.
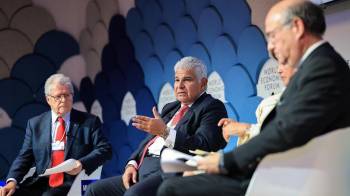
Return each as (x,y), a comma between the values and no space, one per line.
(56,180)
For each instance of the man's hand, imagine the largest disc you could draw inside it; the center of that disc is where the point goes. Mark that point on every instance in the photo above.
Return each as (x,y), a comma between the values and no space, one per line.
(130,175)
(77,169)
(192,173)
(154,126)
(8,189)
(231,127)
(210,163)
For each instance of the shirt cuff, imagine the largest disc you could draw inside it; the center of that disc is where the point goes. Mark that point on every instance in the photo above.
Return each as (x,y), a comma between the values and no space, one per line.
(133,163)
(254,130)
(170,140)
(11,179)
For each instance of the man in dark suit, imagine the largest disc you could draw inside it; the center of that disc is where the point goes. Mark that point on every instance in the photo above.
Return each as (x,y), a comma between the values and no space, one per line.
(316,101)
(80,138)
(187,124)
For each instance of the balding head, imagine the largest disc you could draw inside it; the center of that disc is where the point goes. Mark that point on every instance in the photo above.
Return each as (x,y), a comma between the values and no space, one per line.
(279,9)
(311,15)
(291,27)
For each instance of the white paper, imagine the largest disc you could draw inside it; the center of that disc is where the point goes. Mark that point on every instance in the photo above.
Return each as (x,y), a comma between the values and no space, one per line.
(63,167)
(175,161)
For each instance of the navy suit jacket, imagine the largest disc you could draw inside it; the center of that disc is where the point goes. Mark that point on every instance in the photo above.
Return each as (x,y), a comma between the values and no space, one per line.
(85,143)
(197,129)
(316,101)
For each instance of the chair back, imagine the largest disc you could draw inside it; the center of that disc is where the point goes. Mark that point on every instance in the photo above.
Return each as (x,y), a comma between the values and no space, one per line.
(320,168)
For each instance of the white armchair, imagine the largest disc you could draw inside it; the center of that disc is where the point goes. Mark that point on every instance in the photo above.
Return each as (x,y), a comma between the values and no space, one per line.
(75,190)
(319,168)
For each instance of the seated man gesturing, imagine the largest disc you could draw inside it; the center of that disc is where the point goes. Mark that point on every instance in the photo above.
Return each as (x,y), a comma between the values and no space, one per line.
(187,124)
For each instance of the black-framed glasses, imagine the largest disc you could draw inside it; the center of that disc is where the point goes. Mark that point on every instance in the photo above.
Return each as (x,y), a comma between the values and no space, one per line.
(60,97)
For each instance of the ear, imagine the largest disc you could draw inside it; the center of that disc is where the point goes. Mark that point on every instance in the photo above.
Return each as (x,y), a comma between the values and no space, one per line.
(204,82)
(298,27)
(47,99)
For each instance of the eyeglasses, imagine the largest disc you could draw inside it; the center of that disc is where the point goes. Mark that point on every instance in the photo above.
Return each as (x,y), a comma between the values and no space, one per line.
(60,97)
(272,34)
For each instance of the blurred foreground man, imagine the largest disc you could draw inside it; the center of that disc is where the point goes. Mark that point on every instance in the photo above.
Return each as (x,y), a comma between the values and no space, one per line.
(52,137)
(316,101)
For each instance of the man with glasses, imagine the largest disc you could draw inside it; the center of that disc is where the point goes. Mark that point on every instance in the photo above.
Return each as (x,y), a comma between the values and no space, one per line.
(52,137)
(316,101)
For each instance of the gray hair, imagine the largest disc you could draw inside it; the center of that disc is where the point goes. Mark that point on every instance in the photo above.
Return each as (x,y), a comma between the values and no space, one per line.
(58,79)
(190,62)
(311,14)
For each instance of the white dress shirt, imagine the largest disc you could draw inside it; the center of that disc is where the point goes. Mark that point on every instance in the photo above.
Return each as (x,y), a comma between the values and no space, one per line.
(54,126)
(159,143)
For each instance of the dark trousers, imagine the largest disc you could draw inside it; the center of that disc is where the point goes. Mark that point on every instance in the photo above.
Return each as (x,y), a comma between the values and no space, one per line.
(202,185)
(149,178)
(41,187)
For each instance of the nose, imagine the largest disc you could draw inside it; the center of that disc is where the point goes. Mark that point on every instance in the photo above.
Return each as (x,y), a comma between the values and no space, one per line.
(63,98)
(280,69)
(269,45)
(181,84)
(270,48)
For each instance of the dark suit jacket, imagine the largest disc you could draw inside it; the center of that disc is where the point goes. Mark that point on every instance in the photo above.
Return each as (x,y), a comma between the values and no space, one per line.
(85,142)
(197,129)
(316,101)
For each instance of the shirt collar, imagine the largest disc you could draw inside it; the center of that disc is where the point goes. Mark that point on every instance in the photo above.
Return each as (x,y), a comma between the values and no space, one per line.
(189,105)
(54,116)
(310,50)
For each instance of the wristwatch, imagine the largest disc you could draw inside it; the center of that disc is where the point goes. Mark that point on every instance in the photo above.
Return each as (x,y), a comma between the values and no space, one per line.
(166,133)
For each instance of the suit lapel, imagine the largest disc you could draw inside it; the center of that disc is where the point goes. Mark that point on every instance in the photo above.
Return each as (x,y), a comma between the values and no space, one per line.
(46,135)
(184,119)
(191,110)
(169,115)
(72,132)
(46,127)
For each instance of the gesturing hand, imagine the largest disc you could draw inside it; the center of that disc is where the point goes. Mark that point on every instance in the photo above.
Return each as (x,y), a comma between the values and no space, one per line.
(154,126)
(231,127)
